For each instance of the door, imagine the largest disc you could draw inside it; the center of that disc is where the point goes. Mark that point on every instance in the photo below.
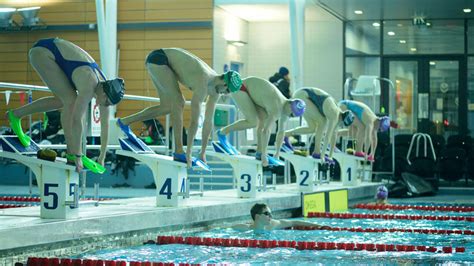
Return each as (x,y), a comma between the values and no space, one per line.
(427,94)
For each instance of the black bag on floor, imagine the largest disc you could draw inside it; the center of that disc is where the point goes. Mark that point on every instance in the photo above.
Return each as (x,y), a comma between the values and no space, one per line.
(410,185)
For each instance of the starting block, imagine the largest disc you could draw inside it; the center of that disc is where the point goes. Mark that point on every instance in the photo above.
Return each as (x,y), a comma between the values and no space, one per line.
(353,168)
(170,176)
(247,171)
(57,181)
(306,169)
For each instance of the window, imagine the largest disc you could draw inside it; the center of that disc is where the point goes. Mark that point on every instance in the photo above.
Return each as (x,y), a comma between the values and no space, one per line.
(362,38)
(434,37)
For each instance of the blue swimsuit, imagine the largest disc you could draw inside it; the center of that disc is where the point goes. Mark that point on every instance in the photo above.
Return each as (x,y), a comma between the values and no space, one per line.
(356,109)
(68,66)
(317,100)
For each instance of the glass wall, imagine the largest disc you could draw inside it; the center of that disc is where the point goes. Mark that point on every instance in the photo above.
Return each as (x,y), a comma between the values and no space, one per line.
(470,88)
(435,37)
(404,74)
(362,38)
(444,100)
(470,36)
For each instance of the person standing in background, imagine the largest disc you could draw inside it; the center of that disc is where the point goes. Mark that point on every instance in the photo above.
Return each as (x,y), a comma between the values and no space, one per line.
(281,80)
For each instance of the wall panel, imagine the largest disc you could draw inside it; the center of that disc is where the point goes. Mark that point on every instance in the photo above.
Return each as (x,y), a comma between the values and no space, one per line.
(134,44)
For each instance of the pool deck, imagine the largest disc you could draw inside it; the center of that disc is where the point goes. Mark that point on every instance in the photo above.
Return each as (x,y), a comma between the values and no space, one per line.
(22,227)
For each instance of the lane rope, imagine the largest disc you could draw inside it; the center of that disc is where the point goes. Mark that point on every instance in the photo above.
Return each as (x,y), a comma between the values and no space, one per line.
(301,245)
(390,230)
(414,207)
(389,216)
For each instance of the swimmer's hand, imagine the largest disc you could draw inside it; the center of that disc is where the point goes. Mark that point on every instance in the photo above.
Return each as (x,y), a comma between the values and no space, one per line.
(79,165)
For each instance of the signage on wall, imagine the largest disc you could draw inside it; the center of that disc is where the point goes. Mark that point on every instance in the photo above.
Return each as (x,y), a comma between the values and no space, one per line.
(95,119)
(423,105)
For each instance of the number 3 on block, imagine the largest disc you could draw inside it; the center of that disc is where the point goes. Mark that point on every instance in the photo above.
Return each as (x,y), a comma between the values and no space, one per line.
(247,178)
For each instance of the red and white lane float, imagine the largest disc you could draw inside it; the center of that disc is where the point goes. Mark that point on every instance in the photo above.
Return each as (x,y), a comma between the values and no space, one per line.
(391,230)
(34,261)
(414,207)
(301,245)
(389,216)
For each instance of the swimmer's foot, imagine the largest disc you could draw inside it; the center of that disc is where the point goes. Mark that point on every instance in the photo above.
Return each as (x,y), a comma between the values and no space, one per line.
(15,124)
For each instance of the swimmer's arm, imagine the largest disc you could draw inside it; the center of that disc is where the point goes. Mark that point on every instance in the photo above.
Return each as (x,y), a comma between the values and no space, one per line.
(195,112)
(104,132)
(80,107)
(280,134)
(208,119)
(289,223)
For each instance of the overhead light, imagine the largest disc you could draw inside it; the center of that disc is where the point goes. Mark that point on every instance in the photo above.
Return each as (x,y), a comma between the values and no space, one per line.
(359,12)
(403,41)
(432,63)
(467,10)
(391,33)
(236,43)
(428,24)
(399,25)
(376,24)
(29,15)
(413,49)
(6,14)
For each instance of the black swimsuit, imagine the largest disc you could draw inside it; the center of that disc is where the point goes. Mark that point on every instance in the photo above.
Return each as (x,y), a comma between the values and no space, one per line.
(317,100)
(157,57)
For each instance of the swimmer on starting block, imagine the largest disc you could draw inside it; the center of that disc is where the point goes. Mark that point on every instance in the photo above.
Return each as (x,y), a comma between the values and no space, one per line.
(322,116)
(262,219)
(366,125)
(167,67)
(262,104)
(74,79)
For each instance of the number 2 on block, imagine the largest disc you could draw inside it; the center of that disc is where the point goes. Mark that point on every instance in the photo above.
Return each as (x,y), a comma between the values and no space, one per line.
(305,175)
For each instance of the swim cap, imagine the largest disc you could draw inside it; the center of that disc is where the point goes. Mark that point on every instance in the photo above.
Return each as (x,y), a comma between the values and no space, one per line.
(298,107)
(382,193)
(347,118)
(114,89)
(384,123)
(232,80)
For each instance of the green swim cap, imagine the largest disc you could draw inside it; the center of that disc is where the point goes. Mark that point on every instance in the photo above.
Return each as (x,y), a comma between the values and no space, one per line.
(232,80)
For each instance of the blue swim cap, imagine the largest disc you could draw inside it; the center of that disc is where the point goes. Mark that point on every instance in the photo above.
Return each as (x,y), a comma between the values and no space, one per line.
(384,123)
(298,107)
(382,193)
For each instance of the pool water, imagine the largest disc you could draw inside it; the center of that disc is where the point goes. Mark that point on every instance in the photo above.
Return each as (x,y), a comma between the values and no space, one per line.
(179,253)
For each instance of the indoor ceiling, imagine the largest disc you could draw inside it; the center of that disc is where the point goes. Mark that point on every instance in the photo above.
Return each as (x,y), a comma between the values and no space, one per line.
(273,12)
(323,10)
(398,9)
